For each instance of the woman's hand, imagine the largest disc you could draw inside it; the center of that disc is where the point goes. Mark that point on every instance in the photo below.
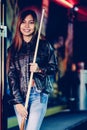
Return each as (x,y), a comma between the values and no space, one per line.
(34,67)
(21,110)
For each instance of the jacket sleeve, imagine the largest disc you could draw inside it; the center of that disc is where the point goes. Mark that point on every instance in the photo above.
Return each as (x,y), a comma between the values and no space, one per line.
(52,61)
(14,84)
(50,67)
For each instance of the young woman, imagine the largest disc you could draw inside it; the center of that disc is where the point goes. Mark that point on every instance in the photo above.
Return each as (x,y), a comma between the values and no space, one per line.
(20,59)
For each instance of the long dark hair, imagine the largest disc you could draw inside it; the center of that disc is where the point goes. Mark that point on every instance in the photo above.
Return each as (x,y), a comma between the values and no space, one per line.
(17,40)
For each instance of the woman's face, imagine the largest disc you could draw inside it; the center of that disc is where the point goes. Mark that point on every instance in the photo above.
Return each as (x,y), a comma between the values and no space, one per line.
(27,26)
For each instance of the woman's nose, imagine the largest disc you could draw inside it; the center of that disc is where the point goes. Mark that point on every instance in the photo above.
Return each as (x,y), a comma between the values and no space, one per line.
(27,25)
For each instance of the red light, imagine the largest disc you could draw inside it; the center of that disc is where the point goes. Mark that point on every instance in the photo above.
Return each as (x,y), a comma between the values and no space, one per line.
(64,3)
(73,2)
(45,4)
(83,11)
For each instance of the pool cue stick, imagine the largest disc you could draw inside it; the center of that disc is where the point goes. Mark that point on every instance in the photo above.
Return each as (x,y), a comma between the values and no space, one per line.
(31,75)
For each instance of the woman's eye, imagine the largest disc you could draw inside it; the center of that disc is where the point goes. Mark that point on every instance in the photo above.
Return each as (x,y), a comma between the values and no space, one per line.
(31,22)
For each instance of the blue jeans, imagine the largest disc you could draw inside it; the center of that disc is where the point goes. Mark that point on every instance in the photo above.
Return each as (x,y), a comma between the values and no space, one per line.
(37,110)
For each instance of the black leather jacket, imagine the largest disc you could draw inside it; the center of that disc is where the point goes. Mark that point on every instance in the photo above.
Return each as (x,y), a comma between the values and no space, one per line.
(18,74)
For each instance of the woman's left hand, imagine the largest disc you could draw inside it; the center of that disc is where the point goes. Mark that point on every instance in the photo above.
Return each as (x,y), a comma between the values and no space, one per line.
(34,67)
